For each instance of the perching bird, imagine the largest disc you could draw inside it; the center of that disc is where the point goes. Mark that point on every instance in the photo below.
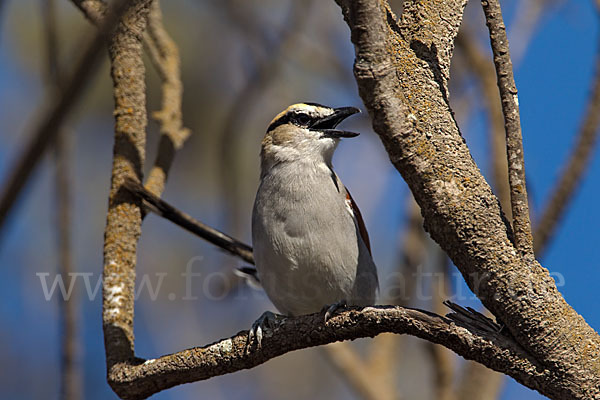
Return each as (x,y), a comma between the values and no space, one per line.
(311,247)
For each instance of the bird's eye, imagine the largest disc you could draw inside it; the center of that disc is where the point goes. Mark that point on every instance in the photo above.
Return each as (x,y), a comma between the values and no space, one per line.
(302,119)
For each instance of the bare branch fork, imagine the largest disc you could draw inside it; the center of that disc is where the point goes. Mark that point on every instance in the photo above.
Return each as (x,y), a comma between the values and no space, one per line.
(402,70)
(512,126)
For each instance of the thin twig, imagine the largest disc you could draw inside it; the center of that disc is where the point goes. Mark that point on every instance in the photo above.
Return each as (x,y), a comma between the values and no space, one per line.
(164,209)
(57,107)
(70,374)
(165,56)
(572,174)
(512,125)
(524,25)
(382,362)
(2,4)
(478,381)
(383,358)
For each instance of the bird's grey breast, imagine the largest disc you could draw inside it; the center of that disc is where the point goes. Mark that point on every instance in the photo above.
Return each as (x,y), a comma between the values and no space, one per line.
(305,240)
(302,205)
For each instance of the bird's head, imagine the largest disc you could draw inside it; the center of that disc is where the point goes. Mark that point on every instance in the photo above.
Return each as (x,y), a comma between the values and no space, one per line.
(305,131)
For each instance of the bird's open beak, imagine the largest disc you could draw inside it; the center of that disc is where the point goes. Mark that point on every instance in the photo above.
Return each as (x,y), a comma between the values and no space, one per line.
(328,124)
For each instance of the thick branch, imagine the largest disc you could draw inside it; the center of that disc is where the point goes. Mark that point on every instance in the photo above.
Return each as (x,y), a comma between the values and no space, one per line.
(512,126)
(123,223)
(141,378)
(401,71)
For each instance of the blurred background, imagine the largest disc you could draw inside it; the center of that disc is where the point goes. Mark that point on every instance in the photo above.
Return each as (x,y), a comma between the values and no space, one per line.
(243,61)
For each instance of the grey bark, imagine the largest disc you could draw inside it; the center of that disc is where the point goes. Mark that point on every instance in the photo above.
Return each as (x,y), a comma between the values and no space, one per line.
(402,72)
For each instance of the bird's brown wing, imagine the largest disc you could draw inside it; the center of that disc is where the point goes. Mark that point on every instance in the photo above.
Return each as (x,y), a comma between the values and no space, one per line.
(362,229)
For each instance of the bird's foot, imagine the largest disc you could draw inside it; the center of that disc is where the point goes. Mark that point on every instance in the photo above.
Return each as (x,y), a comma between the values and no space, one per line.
(333,308)
(256,332)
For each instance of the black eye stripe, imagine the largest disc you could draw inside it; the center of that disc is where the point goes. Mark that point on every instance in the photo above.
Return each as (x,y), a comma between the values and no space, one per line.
(296,117)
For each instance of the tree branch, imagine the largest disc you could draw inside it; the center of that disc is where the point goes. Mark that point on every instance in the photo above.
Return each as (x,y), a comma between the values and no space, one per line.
(401,70)
(483,69)
(70,367)
(214,236)
(138,379)
(57,107)
(123,224)
(512,126)
(165,57)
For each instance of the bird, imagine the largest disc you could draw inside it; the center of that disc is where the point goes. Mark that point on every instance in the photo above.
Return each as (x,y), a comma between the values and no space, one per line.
(310,244)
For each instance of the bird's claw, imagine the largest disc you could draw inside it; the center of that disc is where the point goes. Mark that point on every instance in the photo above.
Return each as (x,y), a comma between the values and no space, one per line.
(255,334)
(333,308)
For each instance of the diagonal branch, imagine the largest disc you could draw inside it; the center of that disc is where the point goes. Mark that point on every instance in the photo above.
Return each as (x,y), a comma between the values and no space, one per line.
(214,236)
(56,109)
(512,126)
(401,69)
